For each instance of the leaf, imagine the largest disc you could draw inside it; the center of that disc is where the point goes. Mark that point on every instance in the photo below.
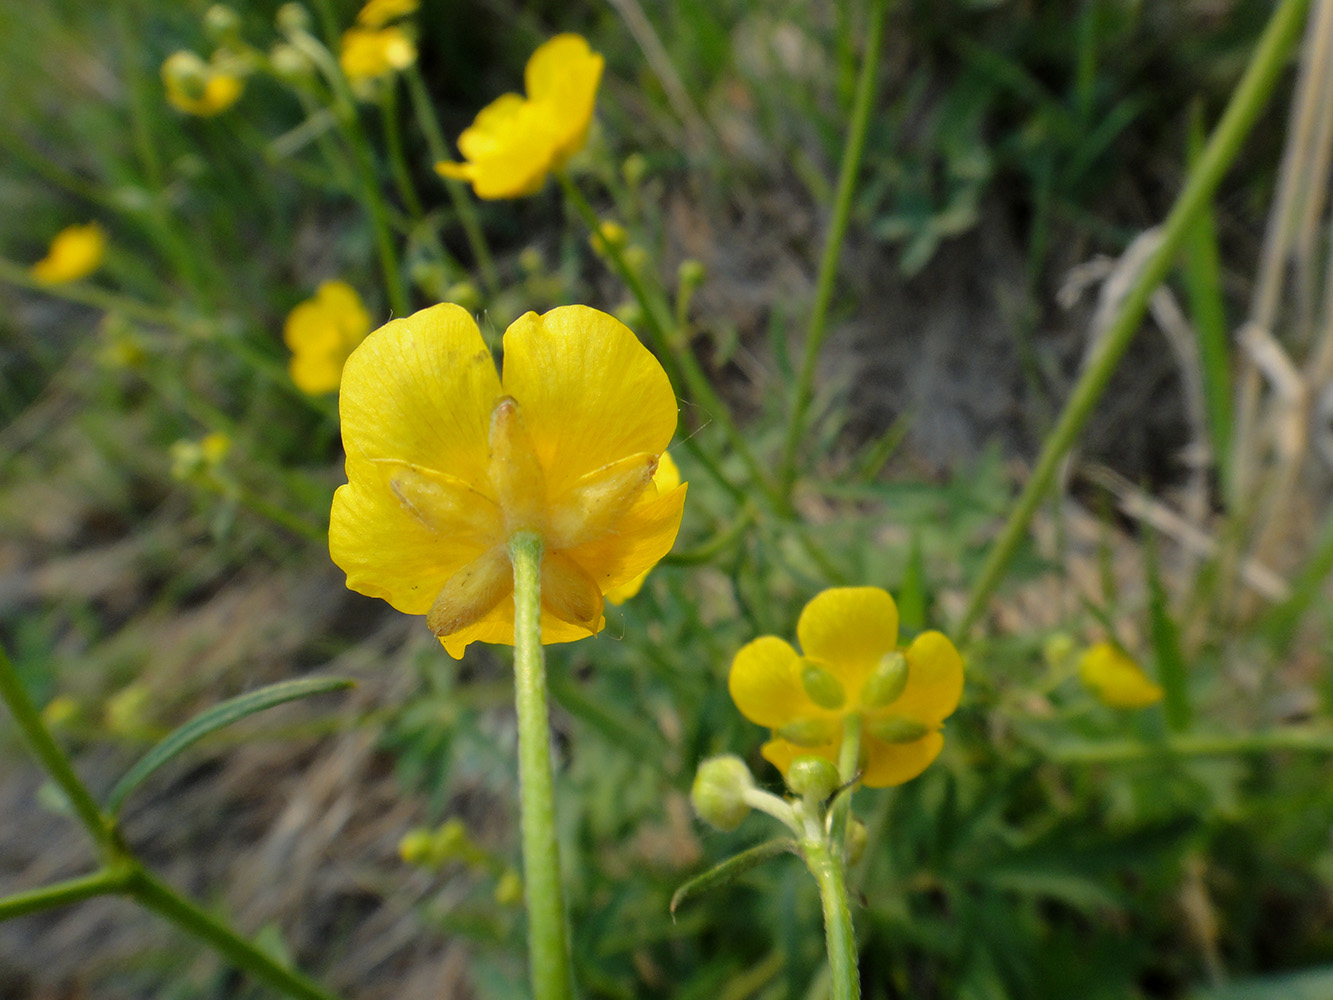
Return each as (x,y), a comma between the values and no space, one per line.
(215,718)
(731,869)
(1309,984)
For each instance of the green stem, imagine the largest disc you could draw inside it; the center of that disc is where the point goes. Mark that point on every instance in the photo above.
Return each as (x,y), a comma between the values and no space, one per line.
(681,363)
(849,765)
(1248,100)
(828,265)
(839,934)
(439,150)
(159,897)
(1306,740)
(98,298)
(52,757)
(102,883)
(393,138)
(548,938)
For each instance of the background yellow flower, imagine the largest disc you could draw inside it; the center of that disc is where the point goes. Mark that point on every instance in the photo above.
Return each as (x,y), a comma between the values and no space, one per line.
(378,13)
(199,88)
(446,461)
(321,332)
(665,479)
(1116,679)
(368,54)
(851,666)
(76,252)
(515,141)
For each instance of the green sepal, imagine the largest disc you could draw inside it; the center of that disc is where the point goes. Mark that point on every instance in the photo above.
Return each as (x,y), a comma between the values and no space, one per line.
(215,718)
(733,868)
(886,682)
(824,689)
(808,732)
(896,729)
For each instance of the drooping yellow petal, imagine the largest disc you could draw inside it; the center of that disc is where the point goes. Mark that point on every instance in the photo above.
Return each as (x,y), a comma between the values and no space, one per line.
(562,77)
(369,53)
(1116,678)
(893,763)
(848,629)
(378,13)
(666,479)
(765,683)
(76,252)
(934,680)
(420,391)
(590,392)
(509,148)
(640,539)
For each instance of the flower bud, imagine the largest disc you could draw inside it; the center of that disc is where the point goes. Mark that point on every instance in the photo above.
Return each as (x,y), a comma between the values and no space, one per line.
(509,888)
(416,847)
(719,791)
(293,18)
(222,23)
(186,72)
(1057,649)
(530,260)
(636,257)
(609,234)
(812,778)
(634,168)
(465,294)
(630,313)
(289,63)
(691,273)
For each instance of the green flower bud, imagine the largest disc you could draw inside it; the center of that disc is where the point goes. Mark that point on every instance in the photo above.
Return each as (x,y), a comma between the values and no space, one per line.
(812,778)
(415,847)
(289,63)
(509,888)
(808,732)
(633,169)
(896,729)
(609,234)
(719,789)
(293,18)
(530,261)
(635,257)
(1057,649)
(886,682)
(823,688)
(465,294)
(630,313)
(857,838)
(691,273)
(186,72)
(221,23)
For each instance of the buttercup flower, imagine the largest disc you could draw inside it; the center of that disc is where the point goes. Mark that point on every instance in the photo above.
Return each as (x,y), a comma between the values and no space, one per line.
(851,666)
(321,332)
(1116,679)
(378,13)
(197,87)
(75,253)
(370,53)
(666,479)
(446,461)
(516,141)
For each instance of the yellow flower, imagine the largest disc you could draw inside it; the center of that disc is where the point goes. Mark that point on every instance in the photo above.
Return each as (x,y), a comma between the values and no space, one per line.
(446,461)
(378,13)
(197,87)
(75,253)
(851,666)
(516,141)
(1116,679)
(369,53)
(666,479)
(321,333)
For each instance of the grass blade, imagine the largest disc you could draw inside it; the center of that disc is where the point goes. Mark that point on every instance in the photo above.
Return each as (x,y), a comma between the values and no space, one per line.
(1171,671)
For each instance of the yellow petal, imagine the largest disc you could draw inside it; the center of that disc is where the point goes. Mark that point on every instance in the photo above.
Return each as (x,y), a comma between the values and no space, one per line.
(591,394)
(642,537)
(498,627)
(1116,679)
(894,763)
(510,148)
(848,629)
(316,373)
(562,78)
(765,683)
(419,391)
(76,252)
(934,680)
(666,479)
(378,13)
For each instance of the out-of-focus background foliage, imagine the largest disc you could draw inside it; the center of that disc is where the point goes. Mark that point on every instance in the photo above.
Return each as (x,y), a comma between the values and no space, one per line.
(1059,848)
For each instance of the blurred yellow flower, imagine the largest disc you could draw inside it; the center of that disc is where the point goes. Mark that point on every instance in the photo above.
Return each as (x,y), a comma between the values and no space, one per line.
(446,461)
(199,88)
(666,479)
(370,53)
(75,253)
(516,141)
(321,332)
(851,666)
(1116,679)
(378,13)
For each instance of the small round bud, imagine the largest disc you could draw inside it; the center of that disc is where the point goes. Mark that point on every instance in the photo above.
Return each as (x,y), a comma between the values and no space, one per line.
(857,839)
(630,313)
(530,261)
(635,257)
(293,18)
(187,73)
(609,234)
(1057,649)
(812,778)
(415,847)
(719,791)
(465,294)
(509,888)
(691,273)
(289,63)
(222,23)
(59,710)
(634,168)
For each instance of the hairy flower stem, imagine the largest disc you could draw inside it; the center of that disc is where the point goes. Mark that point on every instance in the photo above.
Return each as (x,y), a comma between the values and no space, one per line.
(823,856)
(548,938)
(837,234)
(1247,101)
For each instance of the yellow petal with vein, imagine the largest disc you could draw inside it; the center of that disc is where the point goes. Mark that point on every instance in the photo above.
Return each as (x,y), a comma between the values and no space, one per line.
(765,683)
(893,763)
(848,629)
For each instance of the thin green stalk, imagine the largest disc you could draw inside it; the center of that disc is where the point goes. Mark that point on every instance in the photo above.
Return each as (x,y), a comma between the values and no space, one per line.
(828,265)
(1292,738)
(439,150)
(161,898)
(1270,58)
(52,757)
(676,355)
(548,938)
(98,298)
(849,764)
(105,882)
(393,137)
(839,934)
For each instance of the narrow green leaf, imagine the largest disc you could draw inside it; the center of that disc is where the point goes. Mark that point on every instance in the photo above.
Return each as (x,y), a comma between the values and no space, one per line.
(215,718)
(1203,284)
(731,869)
(912,594)
(1171,672)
